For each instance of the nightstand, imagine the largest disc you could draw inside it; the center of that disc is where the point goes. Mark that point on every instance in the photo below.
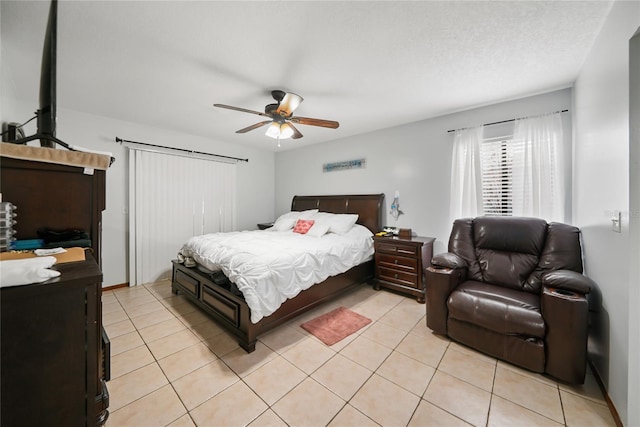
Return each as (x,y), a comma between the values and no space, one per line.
(400,262)
(265,225)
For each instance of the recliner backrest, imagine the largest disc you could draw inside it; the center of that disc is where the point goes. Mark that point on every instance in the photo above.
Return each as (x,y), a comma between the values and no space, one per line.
(514,252)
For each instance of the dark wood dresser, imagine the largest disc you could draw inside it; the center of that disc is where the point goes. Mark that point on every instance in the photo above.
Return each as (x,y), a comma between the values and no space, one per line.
(400,262)
(54,354)
(54,360)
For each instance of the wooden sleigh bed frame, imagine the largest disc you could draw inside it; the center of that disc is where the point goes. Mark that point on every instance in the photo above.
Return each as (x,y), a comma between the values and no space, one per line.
(233,313)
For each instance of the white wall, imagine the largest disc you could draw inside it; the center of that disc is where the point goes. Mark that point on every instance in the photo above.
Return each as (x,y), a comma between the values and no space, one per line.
(414,159)
(255,179)
(601,185)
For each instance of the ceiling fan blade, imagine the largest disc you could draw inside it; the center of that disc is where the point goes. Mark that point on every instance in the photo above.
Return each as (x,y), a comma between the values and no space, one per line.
(244,110)
(289,103)
(296,132)
(315,122)
(252,127)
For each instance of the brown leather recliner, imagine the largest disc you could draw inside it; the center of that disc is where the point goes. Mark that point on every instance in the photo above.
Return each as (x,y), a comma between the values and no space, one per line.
(513,288)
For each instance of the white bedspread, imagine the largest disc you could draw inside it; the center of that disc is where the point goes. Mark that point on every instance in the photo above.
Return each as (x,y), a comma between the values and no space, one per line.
(272,266)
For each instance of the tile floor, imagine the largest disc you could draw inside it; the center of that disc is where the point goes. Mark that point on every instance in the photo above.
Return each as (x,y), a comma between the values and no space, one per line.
(173,366)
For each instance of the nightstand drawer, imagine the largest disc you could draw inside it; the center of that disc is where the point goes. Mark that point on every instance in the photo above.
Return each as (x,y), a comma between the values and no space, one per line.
(397,248)
(400,277)
(409,265)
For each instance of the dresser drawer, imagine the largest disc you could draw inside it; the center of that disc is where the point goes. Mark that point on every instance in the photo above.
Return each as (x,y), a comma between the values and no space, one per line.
(409,265)
(223,305)
(397,248)
(397,276)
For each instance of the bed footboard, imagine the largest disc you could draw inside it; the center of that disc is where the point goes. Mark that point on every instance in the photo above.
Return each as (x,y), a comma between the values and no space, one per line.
(233,313)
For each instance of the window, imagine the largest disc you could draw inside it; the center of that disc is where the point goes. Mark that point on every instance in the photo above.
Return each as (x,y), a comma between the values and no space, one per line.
(499,158)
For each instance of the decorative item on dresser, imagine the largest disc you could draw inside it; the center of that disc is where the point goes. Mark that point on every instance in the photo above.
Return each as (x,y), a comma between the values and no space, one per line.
(400,262)
(55,353)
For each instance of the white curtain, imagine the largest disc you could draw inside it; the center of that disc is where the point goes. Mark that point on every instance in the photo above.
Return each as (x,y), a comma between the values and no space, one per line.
(172,198)
(539,183)
(466,174)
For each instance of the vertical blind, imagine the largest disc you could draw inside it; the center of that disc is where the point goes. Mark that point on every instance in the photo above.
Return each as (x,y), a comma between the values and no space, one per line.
(172,198)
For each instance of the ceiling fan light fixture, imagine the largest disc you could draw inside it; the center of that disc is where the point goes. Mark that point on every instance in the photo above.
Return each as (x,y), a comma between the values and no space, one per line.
(289,103)
(279,131)
(286,131)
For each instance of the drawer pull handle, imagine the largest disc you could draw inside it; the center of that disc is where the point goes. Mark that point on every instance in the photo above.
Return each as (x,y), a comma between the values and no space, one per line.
(395,261)
(395,276)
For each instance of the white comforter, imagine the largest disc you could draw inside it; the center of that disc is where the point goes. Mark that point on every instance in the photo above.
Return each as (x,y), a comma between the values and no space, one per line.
(272,266)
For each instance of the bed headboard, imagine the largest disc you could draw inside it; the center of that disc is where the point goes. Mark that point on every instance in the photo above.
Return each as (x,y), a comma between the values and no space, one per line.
(367,206)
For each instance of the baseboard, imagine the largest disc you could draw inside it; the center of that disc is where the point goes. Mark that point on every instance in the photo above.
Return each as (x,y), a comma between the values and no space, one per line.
(112,287)
(603,389)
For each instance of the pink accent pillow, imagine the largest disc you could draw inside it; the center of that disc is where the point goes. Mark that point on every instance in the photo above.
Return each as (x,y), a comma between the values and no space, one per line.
(303,225)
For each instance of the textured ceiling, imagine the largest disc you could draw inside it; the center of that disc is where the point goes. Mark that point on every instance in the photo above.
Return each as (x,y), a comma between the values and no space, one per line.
(368,65)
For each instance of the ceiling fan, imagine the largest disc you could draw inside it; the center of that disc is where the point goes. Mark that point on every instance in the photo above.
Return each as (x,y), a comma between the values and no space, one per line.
(281,117)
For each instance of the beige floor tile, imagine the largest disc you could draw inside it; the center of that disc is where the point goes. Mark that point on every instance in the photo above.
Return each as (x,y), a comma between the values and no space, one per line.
(186,360)
(377,306)
(235,406)
(243,363)
(385,402)
(309,405)
(422,329)
(405,315)
(135,302)
(342,376)
(222,344)
(125,342)
(194,318)
(115,316)
(429,415)
(459,398)
(174,300)
(170,344)
(268,419)
(108,297)
(531,375)
(309,355)
(130,360)
(111,307)
(472,352)
(357,296)
(155,409)
(274,379)
(131,293)
(134,385)
(204,383)
(146,308)
(505,413)
(185,308)
(207,329)
(535,395)
(367,353)
(584,412)
(283,338)
(468,368)
(426,349)
(152,318)
(183,421)
(120,328)
(406,372)
(350,417)
(589,390)
(386,335)
(161,330)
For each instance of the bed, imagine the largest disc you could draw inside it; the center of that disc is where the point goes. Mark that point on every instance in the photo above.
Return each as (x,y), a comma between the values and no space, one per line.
(229,308)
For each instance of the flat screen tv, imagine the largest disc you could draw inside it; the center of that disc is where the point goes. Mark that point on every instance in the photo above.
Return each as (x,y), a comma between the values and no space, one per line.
(46,114)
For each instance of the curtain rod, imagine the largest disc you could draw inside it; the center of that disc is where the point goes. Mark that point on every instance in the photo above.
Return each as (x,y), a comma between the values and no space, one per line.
(504,121)
(237,159)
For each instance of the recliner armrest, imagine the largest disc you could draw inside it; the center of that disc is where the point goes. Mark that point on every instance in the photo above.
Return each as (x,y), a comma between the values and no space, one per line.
(568,280)
(448,260)
(439,283)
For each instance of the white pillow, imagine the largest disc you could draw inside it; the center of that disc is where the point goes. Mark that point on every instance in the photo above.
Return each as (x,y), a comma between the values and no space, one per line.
(338,223)
(318,229)
(288,220)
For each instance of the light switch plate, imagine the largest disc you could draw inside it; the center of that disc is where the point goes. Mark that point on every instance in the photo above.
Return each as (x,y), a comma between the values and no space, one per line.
(616,222)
